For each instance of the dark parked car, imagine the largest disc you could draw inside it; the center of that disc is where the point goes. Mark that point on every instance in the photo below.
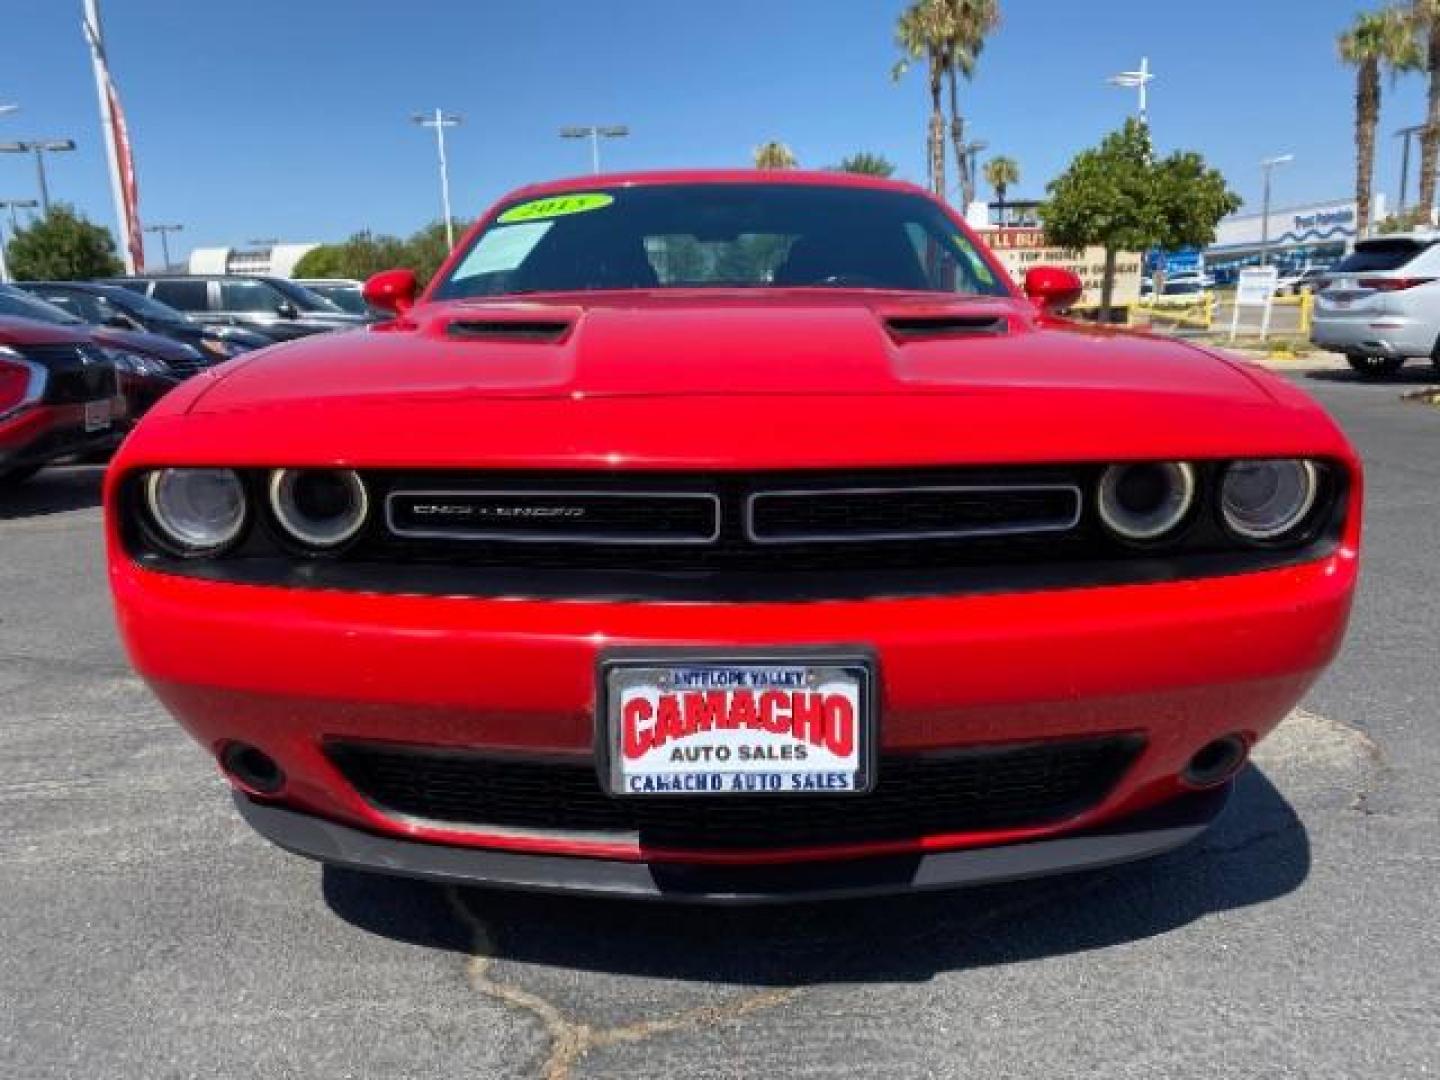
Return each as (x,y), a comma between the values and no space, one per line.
(125,309)
(59,397)
(275,307)
(149,366)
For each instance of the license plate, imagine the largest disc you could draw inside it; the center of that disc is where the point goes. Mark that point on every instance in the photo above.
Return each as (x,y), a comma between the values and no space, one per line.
(97,415)
(747,725)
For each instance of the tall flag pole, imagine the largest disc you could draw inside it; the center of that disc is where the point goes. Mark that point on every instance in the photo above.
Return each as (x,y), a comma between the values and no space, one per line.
(117,146)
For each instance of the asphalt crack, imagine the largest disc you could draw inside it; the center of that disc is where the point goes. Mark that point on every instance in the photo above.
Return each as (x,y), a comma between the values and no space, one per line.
(569,1039)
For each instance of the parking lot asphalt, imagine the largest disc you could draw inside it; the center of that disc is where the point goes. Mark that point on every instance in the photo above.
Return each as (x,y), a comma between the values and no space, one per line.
(145,932)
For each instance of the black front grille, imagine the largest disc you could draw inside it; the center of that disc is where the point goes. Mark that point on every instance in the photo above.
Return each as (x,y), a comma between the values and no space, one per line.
(556,516)
(768,523)
(982,788)
(77,373)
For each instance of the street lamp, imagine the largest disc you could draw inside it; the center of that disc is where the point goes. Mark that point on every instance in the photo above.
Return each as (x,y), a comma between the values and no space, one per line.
(970,151)
(165,231)
(39,147)
(595,133)
(440,120)
(1408,134)
(1139,79)
(1267,165)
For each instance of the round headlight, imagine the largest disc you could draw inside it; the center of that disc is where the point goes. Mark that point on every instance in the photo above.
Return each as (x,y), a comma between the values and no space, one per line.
(1262,500)
(321,508)
(198,511)
(1146,500)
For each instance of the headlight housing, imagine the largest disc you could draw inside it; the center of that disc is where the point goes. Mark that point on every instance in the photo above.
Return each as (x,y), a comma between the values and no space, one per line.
(1146,500)
(320,508)
(135,363)
(197,511)
(219,348)
(1264,500)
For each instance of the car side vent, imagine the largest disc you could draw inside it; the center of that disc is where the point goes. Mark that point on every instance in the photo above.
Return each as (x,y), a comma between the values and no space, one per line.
(906,327)
(536,330)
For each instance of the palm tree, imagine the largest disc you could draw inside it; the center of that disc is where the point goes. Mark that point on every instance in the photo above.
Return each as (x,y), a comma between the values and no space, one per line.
(867,164)
(774,155)
(1376,41)
(1426,17)
(969,22)
(923,33)
(1001,173)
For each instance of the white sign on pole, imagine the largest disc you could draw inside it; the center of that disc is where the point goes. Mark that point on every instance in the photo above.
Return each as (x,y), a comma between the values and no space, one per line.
(1255,288)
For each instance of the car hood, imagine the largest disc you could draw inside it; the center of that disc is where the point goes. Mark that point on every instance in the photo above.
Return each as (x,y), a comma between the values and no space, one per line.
(140,341)
(730,381)
(656,347)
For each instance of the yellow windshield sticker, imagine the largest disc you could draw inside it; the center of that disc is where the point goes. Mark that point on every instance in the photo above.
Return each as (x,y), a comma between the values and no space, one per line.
(977,264)
(556,206)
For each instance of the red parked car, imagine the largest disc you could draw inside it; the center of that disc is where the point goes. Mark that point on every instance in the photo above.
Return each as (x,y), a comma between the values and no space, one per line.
(59,397)
(731,536)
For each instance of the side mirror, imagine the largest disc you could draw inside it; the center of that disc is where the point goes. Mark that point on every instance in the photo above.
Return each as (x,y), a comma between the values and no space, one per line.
(286,310)
(1053,288)
(391,290)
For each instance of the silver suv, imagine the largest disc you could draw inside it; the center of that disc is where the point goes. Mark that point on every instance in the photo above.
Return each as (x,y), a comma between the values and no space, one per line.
(1381,304)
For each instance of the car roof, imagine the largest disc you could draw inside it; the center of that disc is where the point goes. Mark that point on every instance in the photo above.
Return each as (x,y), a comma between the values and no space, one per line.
(811,177)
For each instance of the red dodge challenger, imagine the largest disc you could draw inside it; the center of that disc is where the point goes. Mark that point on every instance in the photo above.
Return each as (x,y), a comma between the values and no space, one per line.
(731,536)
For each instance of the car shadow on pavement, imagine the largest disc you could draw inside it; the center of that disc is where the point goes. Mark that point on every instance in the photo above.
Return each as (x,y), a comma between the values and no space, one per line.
(1408,377)
(1256,852)
(53,491)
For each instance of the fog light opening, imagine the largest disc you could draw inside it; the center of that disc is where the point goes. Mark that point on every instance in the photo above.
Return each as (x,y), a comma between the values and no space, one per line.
(1216,762)
(253,769)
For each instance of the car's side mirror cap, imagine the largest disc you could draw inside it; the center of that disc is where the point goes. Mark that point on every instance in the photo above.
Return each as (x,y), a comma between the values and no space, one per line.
(391,290)
(1053,288)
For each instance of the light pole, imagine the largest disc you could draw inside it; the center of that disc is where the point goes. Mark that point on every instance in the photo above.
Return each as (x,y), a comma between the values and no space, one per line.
(1407,134)
(17,204)
(1267,166)
(165,231)
(971,152)
(595,133)
(1139,79)
(440,120)
(39,147)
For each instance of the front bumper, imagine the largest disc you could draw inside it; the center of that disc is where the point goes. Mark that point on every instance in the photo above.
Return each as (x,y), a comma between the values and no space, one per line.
(291,671)
(1142,836)
(1378,334)
(46,433)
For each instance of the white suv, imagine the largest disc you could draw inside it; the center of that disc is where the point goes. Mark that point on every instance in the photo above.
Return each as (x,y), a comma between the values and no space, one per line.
(1381,304)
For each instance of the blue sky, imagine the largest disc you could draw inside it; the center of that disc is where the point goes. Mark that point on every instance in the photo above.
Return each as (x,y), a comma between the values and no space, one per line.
(268,118)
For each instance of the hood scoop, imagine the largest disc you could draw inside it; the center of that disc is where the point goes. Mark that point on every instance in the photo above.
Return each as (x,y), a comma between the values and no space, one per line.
(925,327)
(534,330)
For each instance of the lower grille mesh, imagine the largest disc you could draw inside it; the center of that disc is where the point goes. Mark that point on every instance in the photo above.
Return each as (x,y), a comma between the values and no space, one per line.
(992,787)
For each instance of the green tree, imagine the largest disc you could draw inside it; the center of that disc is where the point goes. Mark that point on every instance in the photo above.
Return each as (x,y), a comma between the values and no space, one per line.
(1425,17)
(1119,197)
(774,155)
(866,164)
(1001,173)
(361,255)
(922,33)
(1377,41)
(969,23)
(948,36)
(62,246)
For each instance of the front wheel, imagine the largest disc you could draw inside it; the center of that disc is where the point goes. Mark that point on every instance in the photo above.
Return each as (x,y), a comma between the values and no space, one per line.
(1375,367)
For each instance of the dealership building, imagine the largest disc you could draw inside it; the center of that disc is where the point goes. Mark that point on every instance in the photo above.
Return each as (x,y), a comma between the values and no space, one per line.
(1316,234)
(276,259)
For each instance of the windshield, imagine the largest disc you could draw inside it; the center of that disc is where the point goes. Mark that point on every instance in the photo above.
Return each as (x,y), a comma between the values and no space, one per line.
(346,297)
(677,236)
(21,305)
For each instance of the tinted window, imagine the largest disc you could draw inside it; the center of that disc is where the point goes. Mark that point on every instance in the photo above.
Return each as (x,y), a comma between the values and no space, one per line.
(252,297)
(1373,255)
(722,236)
(82,305)
(184,295)
(22,305)
(302,297)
